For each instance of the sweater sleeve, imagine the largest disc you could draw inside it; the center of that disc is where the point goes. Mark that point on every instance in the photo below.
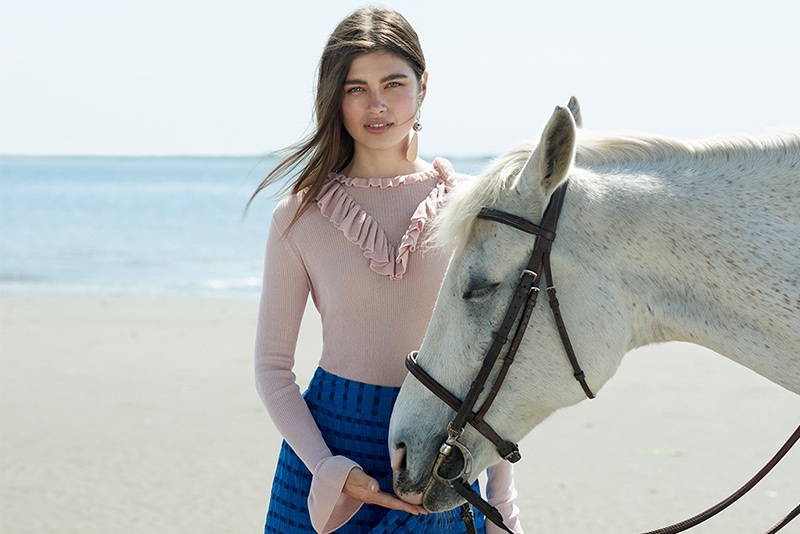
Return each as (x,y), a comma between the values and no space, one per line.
(501,493)
(286,287)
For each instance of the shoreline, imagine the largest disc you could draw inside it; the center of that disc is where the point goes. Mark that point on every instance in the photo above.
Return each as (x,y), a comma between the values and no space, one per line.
(140,413)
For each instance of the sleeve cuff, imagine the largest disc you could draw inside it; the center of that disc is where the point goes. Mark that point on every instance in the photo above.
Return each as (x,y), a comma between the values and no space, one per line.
(328,506)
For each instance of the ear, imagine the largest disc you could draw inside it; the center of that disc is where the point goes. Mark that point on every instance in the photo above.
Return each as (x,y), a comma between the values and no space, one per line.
(552,159)
(575,109)
(423,89)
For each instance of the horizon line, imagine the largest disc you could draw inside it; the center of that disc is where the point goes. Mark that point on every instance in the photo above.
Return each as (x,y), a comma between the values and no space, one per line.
(260,156)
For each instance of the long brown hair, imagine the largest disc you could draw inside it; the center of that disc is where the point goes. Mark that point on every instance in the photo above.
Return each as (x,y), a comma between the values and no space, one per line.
(329,147)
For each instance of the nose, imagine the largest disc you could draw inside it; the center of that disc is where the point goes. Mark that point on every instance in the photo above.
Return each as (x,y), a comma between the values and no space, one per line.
(376,102)
(398,457)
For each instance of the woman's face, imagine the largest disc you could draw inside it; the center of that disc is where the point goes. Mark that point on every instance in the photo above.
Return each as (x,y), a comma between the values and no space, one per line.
(380,102)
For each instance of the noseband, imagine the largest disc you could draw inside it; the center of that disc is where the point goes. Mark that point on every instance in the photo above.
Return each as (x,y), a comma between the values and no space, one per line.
(522,302)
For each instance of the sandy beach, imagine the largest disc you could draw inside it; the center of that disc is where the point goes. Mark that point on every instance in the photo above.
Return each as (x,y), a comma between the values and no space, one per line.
(139,415)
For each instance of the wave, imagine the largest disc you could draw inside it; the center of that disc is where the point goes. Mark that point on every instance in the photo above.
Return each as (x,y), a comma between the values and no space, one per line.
(250,282)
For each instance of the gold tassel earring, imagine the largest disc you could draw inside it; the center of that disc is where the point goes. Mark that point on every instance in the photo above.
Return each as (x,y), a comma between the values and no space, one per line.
(413,145)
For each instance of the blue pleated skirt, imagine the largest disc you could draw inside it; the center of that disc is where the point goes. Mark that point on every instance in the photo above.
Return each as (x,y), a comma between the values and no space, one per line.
(354,420)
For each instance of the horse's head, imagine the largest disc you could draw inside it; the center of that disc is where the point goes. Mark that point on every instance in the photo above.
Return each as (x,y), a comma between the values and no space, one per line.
(475,294)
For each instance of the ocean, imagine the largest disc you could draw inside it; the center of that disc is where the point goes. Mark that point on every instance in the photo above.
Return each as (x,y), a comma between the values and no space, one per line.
(146,226)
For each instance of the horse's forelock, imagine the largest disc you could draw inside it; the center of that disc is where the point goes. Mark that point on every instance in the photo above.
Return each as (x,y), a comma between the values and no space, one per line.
(454,222)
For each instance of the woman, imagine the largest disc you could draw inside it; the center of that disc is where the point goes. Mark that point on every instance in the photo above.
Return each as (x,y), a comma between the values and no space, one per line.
(348,236)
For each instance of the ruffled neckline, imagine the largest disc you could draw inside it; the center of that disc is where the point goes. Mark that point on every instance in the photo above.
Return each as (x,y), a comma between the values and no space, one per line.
(384,183)
(363,231)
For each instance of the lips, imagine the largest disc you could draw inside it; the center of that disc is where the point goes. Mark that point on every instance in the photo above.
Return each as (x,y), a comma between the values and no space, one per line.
(378,127)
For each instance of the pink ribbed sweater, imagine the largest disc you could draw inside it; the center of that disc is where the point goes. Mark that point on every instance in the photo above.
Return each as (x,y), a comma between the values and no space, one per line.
(375,299)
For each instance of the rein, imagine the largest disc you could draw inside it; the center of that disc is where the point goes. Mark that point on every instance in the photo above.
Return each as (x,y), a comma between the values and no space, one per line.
(523,302)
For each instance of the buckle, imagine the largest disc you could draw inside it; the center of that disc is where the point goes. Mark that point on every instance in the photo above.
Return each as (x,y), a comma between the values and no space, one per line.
(514,456)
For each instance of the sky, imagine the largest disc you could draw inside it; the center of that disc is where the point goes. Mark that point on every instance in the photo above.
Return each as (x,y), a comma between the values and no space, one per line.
(235,77)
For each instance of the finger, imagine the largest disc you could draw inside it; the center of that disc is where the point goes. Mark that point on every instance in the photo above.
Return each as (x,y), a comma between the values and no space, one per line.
(387,500)
(368,483)
(360,485)
(363,487)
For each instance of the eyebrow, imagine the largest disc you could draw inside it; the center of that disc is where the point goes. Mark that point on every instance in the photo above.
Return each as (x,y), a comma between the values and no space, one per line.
(385,79)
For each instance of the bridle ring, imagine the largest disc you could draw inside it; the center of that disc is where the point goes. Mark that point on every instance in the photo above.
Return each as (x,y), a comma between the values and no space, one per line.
(444,451)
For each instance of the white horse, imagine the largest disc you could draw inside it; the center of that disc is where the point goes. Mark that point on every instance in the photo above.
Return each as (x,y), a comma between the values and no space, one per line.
(659,240)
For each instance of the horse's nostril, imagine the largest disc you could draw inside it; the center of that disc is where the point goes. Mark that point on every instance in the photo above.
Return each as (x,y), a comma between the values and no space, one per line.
(399,456)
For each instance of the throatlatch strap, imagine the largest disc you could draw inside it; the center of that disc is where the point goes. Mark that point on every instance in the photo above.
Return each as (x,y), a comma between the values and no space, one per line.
(578,373)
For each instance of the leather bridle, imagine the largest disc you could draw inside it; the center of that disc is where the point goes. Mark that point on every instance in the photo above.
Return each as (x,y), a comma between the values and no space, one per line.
(522,302)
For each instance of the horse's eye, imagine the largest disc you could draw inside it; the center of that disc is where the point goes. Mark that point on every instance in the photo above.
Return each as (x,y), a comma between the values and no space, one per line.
(478,291)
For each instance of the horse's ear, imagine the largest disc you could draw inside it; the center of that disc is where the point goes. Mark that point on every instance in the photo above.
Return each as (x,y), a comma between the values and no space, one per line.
(552,159)
(575,109)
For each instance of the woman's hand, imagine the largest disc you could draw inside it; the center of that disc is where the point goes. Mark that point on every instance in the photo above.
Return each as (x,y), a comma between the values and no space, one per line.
(363,487)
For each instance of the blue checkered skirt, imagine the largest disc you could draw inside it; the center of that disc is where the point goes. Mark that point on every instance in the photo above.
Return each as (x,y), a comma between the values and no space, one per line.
(354,420)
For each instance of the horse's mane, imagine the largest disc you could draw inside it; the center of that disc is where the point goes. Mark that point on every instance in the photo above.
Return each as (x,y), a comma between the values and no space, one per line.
(599,149)
(595,150)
